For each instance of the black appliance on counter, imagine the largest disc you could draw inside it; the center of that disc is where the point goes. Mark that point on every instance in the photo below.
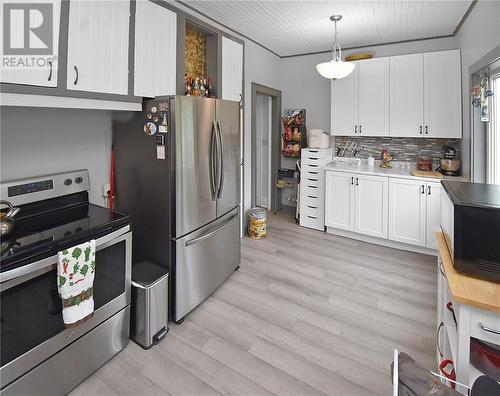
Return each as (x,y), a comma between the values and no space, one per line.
(449,164)
(39,355)
(470,221)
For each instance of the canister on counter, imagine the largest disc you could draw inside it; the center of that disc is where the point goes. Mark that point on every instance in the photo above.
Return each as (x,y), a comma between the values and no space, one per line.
(257,223)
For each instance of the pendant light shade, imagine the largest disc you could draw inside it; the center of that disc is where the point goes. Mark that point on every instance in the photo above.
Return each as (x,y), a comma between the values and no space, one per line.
(336,68)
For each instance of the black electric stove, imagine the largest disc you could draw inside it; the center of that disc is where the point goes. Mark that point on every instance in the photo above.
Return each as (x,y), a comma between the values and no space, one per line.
(47,226)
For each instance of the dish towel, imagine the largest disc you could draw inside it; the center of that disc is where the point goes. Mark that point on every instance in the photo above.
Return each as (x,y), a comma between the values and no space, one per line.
(75,282)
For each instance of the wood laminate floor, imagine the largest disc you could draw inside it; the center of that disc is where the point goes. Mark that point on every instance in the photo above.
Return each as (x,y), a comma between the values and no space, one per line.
(308,313)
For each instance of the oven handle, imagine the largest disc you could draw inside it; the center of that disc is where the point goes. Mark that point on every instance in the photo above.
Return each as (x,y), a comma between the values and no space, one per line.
(49,261)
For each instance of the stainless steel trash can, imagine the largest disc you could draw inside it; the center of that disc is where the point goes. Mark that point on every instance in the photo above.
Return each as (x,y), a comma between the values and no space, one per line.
(149,315)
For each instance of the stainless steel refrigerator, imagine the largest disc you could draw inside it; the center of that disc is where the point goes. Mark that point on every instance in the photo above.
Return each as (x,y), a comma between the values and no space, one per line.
(178,175)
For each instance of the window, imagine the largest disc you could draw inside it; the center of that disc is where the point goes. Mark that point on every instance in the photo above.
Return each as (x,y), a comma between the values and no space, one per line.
(493,142)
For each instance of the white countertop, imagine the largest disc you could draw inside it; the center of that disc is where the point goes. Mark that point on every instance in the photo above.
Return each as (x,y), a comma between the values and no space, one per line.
(399,170)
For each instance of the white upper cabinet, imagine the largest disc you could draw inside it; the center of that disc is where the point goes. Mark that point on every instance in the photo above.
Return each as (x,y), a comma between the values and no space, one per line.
(155,50)
(442,94)
(232,70)
(407,95)
(407,213)
(344,108)
(371,206)
(373,97)
(418,95)
(46,75)
(98,46)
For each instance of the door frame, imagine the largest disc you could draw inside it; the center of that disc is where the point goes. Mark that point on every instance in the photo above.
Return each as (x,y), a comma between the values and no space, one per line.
(275,138)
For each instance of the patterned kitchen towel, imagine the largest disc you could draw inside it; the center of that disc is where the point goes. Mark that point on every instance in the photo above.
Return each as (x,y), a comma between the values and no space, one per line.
(75,281)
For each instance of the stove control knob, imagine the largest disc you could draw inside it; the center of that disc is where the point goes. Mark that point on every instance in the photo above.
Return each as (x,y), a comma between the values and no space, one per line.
(68,182)
(78,180)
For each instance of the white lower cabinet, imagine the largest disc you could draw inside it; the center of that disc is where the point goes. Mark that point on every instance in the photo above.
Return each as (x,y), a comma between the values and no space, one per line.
(433,221)
(357,203)
(407,213)
(371,205)
(401,210)
(339,199)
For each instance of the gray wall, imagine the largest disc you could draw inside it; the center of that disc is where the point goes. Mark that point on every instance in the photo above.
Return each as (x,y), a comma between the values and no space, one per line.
(478,35)
(303,87)
(37,141)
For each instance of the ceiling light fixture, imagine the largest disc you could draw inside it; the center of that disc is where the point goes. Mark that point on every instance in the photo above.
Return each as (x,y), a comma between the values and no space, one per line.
(336,68)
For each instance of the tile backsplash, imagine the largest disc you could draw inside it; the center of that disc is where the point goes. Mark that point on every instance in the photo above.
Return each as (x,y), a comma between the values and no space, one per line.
(401,149)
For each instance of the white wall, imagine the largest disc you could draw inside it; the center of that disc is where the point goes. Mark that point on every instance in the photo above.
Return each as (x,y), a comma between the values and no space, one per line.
(303,87)
(36,141)
(478,35)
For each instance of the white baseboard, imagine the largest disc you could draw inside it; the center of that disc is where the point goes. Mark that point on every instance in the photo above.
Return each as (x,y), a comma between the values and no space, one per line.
(382,242)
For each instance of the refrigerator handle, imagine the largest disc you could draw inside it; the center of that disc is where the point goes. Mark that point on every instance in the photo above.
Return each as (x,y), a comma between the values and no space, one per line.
(211,153)
(221,160)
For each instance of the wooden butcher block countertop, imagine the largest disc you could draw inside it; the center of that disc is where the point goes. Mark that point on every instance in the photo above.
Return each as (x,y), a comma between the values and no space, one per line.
(467,289)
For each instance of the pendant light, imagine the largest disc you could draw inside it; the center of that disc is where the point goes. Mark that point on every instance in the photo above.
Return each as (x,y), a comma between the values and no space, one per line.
(336,68)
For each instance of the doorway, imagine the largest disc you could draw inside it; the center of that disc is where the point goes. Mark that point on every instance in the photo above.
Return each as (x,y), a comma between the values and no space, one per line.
(266,110)
(263,168)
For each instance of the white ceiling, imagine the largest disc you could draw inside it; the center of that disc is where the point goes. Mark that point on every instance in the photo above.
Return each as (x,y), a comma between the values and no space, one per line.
(296,27)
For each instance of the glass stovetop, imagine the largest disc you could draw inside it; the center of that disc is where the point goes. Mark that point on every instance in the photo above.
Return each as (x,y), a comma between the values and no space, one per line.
(39,236)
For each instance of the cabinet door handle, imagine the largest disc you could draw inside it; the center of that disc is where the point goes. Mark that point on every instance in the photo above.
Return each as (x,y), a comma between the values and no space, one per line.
(356,129)
(428,190)
(426,130)
(352,180)
(423,189)
(50,72)
(437,338)
(441,269)
(420,129)
(357,181)
(76,75)
(360,129)
(489,329)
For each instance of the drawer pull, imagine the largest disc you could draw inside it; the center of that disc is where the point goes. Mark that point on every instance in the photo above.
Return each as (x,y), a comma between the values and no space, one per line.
(312,217)
(313,158)
(312,186)
(315,180)
(313,173)
(313,151)
(312,196)
(313,166)
(489,329)
(312,207)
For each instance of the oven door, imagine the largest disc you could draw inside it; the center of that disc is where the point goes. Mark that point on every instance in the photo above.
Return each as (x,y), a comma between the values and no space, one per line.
(32,329)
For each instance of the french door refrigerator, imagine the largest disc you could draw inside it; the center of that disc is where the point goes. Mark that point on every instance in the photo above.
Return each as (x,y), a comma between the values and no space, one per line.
(178,175)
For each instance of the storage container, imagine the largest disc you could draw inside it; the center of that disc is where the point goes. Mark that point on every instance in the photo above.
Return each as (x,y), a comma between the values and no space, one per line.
(257,223)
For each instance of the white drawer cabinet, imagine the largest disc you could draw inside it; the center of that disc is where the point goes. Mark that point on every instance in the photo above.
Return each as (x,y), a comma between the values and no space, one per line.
(98,46)
(312,187)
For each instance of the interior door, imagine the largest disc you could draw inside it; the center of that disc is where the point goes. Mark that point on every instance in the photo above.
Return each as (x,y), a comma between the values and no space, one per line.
(344,102)
(373,97)
(228,187)
(407,95)
(339,197)
(370,214)
(407,205)
(194,126)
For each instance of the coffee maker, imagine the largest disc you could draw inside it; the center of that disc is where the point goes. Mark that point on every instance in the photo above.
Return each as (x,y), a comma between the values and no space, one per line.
(449,164)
